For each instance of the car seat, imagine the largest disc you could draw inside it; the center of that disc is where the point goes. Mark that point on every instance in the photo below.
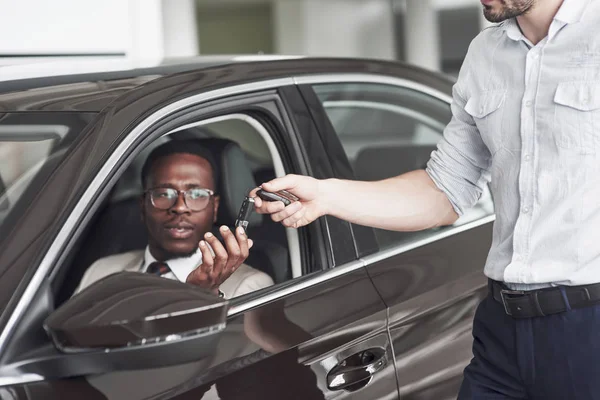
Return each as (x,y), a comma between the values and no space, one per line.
(376,163)
(270,251)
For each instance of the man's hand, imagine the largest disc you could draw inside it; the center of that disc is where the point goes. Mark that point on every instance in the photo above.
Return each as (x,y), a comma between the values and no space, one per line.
(408,202)
(216,269)
(299,213)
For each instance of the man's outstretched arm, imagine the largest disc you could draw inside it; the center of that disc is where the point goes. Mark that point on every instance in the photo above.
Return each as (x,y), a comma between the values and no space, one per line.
(408,202)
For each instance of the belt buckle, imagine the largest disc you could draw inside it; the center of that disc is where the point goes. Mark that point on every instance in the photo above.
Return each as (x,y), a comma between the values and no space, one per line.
(504,292)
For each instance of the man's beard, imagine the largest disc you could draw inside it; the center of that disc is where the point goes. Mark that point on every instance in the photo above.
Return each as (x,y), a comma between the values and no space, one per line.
(173,255)
(513,9)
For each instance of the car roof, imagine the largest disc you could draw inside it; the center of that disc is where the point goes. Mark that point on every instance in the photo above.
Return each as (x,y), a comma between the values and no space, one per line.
(91,85)
(67,70)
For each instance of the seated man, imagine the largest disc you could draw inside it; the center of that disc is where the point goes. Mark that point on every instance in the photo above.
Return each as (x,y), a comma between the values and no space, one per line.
(179,207)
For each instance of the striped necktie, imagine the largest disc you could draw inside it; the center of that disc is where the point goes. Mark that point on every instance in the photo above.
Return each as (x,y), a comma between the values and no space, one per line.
(158,268)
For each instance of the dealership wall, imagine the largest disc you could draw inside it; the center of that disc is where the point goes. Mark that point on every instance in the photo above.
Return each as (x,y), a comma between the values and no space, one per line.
(430,33)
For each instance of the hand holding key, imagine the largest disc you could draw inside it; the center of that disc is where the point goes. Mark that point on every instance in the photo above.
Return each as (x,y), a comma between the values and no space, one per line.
(220,262)
(304,196)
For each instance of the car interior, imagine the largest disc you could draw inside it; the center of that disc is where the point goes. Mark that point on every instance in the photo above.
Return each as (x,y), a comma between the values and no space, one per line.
(245,161)
(386,133)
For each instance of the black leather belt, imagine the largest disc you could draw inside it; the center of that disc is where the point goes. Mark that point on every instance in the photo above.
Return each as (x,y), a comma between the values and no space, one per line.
(541,302)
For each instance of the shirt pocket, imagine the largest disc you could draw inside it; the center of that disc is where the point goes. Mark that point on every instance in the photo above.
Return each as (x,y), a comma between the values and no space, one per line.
(577,117)
(487,110)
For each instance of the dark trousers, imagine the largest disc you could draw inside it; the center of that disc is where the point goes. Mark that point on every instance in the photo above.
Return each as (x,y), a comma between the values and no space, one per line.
(551,357)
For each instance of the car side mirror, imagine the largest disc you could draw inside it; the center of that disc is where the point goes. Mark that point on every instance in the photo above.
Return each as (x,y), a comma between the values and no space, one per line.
(130,314)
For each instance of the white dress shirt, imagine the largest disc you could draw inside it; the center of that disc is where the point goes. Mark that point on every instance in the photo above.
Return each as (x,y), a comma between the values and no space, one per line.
(180,267)
(244,280)
(527,118)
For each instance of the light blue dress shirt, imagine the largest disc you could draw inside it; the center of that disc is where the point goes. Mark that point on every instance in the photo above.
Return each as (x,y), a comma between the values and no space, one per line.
(526,119)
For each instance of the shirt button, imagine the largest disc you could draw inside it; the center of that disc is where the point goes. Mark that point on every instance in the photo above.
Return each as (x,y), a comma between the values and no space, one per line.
(525,210)
(527,157)
(529,103)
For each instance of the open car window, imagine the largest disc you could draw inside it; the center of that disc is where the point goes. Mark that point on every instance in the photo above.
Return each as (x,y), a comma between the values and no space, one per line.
(246,156)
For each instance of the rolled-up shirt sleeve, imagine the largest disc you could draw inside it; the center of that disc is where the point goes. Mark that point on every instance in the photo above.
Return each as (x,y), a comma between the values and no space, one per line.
(460,165)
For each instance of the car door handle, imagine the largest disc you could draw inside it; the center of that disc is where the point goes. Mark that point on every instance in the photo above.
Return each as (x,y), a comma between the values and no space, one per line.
(357,369)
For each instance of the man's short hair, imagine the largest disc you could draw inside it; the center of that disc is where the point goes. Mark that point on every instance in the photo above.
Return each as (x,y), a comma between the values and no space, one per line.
(189,146)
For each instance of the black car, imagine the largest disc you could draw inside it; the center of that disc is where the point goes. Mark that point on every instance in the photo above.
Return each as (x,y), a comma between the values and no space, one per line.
(355,312)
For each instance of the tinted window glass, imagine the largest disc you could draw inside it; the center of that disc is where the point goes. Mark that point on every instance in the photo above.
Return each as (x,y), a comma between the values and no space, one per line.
(30,146)
(387,131)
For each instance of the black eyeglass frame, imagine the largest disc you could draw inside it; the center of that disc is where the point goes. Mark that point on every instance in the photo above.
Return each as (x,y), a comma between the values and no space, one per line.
(211,194)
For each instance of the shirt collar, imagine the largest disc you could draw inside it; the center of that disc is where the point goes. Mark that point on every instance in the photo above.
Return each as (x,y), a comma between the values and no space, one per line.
(570,12)
(181,267)
(511,27)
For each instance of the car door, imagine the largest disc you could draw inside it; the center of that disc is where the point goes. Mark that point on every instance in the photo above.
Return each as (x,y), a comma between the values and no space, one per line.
(432,280)
(325,330)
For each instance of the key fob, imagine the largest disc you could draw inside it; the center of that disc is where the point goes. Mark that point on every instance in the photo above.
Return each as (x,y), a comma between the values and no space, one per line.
(284,196)
(245,212)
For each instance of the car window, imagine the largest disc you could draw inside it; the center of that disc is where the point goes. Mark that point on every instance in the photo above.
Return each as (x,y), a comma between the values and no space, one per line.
(29,149)
(387,131)
(245,155)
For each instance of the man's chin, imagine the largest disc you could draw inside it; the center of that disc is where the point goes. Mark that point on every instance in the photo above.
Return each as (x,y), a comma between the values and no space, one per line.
(494,16)
(179,252)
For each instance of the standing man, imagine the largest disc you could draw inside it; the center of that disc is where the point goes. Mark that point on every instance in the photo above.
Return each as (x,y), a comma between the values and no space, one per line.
(526,115)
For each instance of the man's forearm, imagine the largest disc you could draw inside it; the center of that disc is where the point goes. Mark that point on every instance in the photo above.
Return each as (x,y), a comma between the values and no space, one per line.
(408,202)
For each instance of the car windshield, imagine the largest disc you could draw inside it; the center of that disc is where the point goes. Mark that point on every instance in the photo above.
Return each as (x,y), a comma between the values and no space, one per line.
(31,145)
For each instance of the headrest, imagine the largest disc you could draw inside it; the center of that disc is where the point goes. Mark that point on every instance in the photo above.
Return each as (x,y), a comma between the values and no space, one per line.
(236,179)
(376,163)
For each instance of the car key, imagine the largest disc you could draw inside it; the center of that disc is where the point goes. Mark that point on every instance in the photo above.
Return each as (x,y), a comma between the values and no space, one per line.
(283,195)
(245,212)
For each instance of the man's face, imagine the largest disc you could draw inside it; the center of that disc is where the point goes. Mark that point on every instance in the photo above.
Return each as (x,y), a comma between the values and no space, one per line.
(501,10)
(177,231)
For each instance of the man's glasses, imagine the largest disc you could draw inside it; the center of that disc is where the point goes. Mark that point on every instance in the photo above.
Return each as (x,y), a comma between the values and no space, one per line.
(195,199)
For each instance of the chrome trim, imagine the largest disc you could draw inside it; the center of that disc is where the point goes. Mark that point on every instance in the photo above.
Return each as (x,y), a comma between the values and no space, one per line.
(371,78)
(319,278)
(292,234)
(173,314)
(394,251)
(197,333)
(71,223)
(19,379)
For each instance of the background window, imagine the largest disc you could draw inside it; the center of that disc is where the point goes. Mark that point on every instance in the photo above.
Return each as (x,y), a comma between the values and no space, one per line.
(235,28)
